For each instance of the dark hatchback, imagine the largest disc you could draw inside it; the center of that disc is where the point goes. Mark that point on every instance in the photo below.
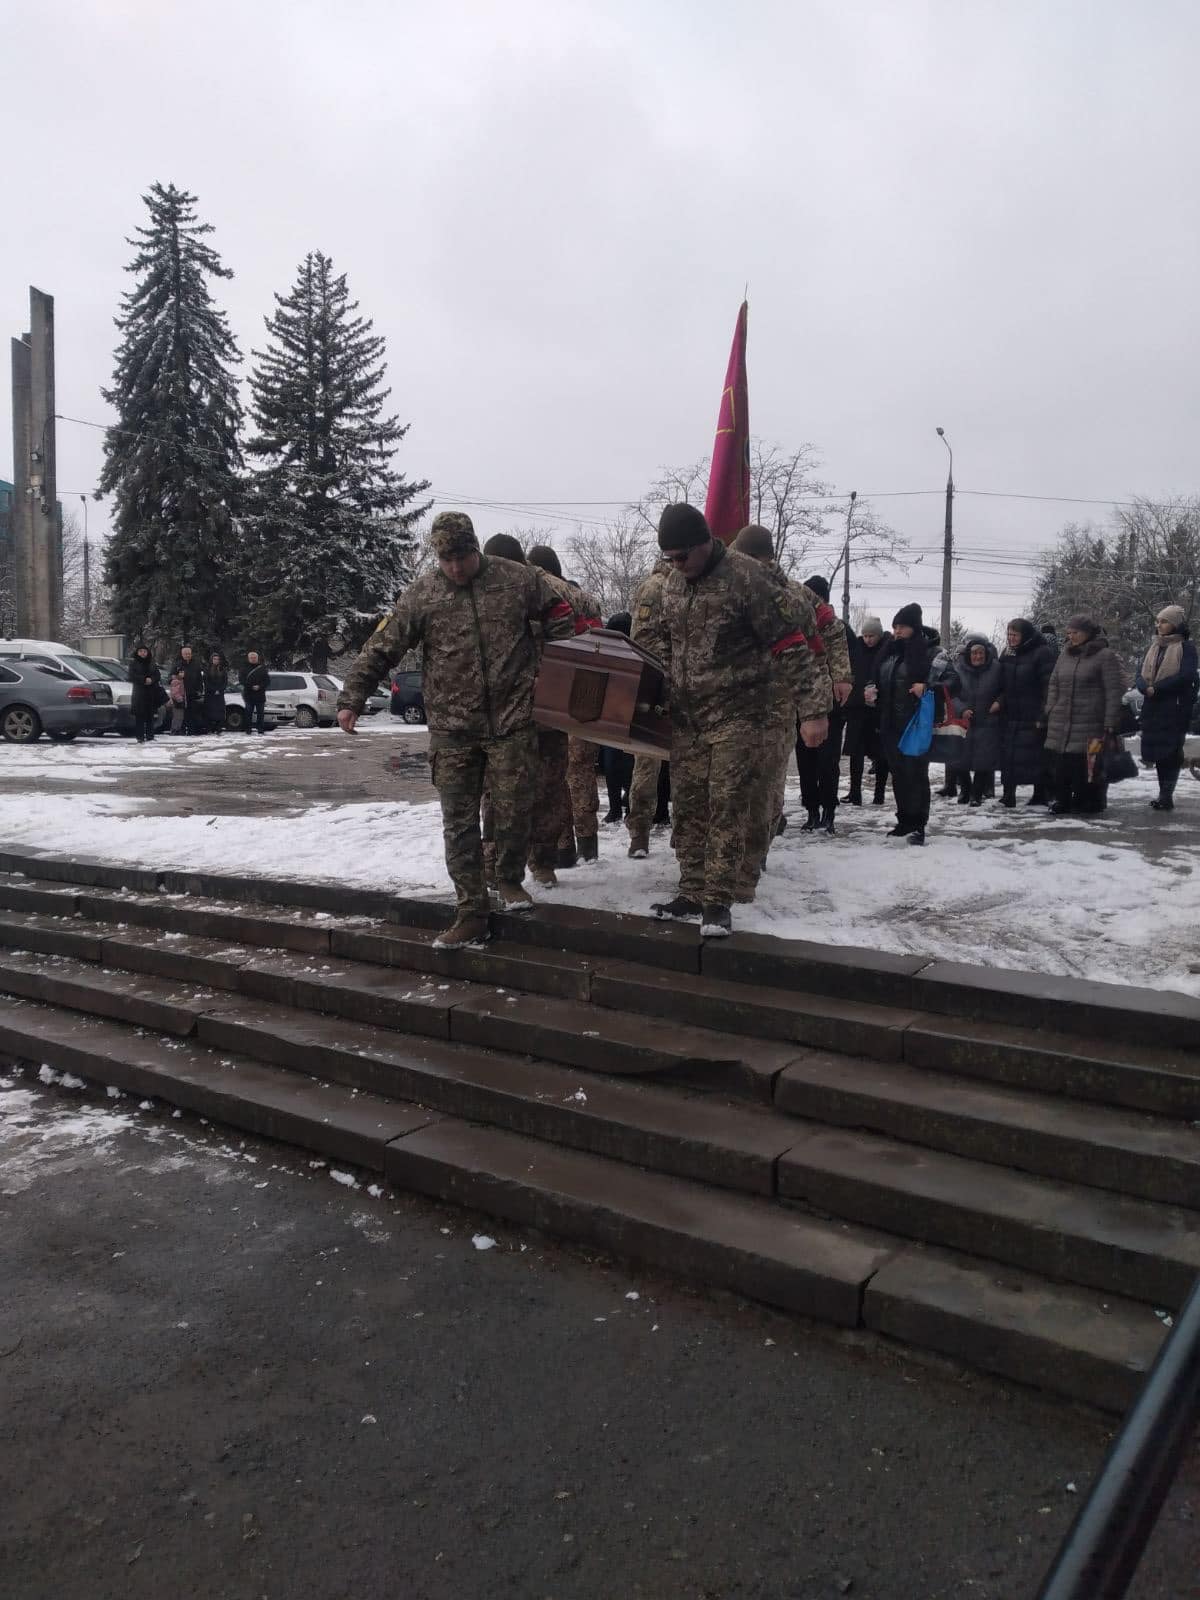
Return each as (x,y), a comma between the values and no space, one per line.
(408,702)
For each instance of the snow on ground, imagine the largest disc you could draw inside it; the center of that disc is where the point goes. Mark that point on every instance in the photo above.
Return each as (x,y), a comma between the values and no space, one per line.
(1115,898)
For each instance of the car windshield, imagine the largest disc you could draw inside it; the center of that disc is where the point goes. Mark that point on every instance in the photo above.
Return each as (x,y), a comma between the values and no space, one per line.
(324,681)
(114,670)
(85,667)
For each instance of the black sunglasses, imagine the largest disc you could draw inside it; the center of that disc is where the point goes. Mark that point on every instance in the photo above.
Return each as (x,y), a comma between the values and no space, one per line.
(676,557)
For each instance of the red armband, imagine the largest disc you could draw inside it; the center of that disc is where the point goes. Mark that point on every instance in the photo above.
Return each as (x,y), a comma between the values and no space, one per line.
(586,624)
(825,614)
(788,642)
(562,608)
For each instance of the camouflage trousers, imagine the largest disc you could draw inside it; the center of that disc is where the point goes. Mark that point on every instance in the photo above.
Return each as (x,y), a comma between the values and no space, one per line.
(766,806)
(552,804)
(643,797)
(581,782)
(462,767)
(715,776)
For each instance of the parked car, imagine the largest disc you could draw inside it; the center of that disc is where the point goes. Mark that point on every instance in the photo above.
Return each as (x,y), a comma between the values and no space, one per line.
(306,699)
(37,699)
(408,702)
(80,668)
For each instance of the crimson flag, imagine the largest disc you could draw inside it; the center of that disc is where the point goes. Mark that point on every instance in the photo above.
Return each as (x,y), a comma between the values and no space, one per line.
(727,508)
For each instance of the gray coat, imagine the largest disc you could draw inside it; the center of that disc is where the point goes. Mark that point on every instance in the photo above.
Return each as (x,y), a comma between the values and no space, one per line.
(1084,697)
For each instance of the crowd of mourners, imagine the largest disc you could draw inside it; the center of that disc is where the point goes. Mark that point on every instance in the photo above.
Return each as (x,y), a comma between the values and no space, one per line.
(192,701)
(759,670)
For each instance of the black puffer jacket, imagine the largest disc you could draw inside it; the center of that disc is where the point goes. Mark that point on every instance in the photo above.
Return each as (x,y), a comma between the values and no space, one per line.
(1025,674)
(1166,713)
(900,664)
(147,682)
(977,692)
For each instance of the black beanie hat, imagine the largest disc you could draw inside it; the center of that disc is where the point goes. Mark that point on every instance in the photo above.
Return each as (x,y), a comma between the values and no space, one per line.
(908,616)
(818,585)
(619,622)
(682,527)
(541,555)
(505,545)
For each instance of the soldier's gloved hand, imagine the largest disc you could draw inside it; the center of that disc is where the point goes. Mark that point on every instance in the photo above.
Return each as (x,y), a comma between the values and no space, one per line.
(346,720)
(841,692)
(814,732)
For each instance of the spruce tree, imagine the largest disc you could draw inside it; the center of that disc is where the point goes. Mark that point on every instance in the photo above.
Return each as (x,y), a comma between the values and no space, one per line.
(172,458)
(330,523)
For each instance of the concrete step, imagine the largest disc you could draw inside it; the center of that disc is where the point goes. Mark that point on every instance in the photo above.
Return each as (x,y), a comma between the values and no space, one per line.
(1144,1078)
(1067,1232)
(1154,1158)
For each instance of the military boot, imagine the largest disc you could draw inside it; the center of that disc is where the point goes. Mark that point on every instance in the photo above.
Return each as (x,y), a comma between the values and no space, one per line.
(682,909)
(589,849)
(544,877)
(716,923)
(639,846)
(513,898)
(468,932)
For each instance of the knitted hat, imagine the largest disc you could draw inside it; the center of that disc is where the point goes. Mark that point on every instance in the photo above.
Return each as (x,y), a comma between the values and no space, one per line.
(818,585)
(908,616)
(755,541)
(452,534)
(1082,623)
(541,555)
(619,622)
(1175,615)
(503,544)
(873,626)
(682,527)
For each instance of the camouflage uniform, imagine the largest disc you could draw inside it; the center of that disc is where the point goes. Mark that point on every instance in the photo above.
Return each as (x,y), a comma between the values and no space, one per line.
(820,769)
(582,787)
(726,639)
(779,738)
(643,789)
(479,660)
(553,829)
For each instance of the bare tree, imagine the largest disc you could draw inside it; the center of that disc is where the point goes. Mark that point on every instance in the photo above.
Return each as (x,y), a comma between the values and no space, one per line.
(673,485)
(873,543)
(786,498)
(87,605)
(614,561)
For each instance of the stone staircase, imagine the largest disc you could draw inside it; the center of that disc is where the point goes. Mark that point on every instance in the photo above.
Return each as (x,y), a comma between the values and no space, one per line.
(998,1166)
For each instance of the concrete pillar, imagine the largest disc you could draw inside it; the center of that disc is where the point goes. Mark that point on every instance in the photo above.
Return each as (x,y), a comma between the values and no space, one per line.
(37,535)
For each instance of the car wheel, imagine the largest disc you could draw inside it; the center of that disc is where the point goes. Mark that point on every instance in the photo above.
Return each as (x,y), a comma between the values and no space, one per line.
(413,714)
(306,717)
(62,735)
(21,725)
(235,719)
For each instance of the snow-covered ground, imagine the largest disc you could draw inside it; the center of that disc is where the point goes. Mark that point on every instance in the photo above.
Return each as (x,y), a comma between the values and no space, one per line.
(1116,898)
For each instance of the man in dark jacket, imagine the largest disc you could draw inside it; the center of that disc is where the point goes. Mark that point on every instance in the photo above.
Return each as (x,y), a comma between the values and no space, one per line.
(192,673)
(256,680)
(862,720)
(474,617)
(901,676)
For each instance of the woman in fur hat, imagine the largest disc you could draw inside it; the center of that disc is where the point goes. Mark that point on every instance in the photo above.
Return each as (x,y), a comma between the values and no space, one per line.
(1168,680)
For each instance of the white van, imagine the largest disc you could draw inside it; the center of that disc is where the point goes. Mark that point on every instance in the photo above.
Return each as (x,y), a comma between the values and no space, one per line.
(86,669)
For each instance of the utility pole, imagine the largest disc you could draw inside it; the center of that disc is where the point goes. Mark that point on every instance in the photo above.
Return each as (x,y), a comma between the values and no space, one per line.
(87,569)
(846,559)
(948,553)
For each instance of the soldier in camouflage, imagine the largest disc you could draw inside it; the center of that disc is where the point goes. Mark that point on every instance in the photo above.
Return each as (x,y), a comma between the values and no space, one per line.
(473,616)
(820,769)
(725,632)
(779,731)
(643,789)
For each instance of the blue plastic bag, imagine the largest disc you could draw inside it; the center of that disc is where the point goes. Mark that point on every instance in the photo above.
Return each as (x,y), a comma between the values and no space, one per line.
(918,736)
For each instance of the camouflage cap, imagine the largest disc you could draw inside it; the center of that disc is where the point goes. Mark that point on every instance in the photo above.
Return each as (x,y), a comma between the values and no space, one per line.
(452,534)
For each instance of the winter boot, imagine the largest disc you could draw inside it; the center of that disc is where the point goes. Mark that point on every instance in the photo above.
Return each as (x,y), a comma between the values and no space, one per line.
(639,846)
(544,877)
(827,823)
(902,829)
(1009,797)
(854,798)
(964,795)
(1165,802)
(950,788)
(781,826)
(716,923)
(681,909)
(566,858)
(513,897)
(468,932)
(589,849)
(1038,797)
(811,823)
(917,836)
(662,817)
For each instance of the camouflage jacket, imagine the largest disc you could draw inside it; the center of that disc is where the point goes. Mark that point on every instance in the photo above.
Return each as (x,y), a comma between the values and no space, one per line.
(586,611)
(832,633)
(726,640)
(647,607)
(479,657)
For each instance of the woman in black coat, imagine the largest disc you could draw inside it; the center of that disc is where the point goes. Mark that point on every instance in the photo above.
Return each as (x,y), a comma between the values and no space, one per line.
(1025,669)
(978,701)
(216,681)
(1168,680)
(862,720)
(901,674)
(146,698)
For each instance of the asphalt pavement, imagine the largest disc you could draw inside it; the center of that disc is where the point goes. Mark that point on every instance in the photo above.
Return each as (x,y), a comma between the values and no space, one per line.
(228,1375)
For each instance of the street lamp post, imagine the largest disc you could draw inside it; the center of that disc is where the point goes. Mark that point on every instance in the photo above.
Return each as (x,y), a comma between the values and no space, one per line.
(948,552)
(87,569)
(846,571)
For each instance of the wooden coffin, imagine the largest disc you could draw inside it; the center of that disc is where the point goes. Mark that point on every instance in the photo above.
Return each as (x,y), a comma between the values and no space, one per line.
(603,687)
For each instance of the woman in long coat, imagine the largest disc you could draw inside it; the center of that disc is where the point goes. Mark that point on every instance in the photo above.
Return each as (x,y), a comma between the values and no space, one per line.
(978,701)
(1025,669)
(1168,680)
(216,681)
(146,694)
(1083,703)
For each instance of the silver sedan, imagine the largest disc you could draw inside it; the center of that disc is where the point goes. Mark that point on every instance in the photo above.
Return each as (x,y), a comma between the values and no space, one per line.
(35,699)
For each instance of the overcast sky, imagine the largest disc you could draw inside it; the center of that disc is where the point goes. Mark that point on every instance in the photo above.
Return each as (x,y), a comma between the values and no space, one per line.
(982,214)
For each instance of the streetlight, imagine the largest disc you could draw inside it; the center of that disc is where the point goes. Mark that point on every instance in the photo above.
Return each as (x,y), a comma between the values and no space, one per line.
(948,553)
